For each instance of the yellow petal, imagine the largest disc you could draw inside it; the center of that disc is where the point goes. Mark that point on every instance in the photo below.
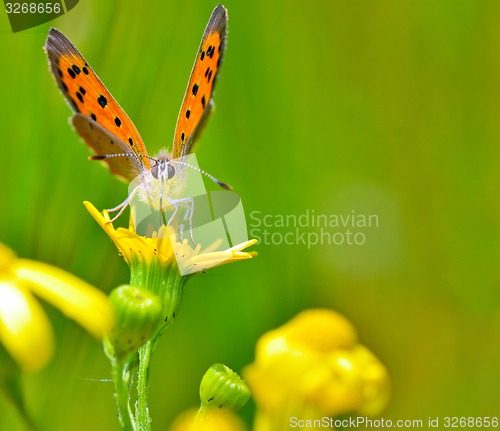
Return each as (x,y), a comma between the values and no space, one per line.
(7,256)
(213,420)
(209,259)
(24,328)
(313,363)
(136,248)
(376,389)
(244,245)
(321,330)
(317,331)
(277,383)
(74,297)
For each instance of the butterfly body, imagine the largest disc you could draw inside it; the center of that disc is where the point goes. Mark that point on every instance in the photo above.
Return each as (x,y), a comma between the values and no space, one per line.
(162,180)
(107,129)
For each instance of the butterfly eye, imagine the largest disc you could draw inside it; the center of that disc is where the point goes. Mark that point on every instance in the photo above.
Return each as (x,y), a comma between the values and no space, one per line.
(154,169)
(171,171)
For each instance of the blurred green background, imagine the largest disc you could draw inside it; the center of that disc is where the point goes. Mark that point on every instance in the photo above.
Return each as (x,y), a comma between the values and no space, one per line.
(381,107)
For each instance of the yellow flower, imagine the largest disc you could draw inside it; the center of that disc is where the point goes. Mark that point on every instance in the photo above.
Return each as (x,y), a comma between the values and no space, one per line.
(138,249)
(24,328)
(159,264)
(313,367)
(211,420)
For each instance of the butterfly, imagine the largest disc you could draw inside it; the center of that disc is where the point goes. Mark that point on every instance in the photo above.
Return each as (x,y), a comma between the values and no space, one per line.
(107,129)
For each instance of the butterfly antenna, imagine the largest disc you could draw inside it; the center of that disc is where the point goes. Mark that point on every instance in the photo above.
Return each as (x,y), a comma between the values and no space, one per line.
(201,171)
(109,156)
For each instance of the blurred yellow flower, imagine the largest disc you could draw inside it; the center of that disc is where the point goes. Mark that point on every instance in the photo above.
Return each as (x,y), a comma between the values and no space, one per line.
(143,250)
(313,367)
(24,328)
(211,420)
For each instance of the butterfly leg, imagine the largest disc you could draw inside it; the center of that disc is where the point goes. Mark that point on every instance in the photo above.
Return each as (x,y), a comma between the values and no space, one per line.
(121,208)
(176,210)
(187,216)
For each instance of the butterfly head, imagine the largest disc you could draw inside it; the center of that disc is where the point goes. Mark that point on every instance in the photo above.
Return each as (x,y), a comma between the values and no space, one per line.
(162,167)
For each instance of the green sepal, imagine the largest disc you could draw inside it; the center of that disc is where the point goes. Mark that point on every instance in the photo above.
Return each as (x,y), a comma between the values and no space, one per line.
(221,387)
(137,315)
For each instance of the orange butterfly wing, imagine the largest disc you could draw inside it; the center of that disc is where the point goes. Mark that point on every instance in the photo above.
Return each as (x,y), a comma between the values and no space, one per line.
(103,142)
(197,103)
(88,96)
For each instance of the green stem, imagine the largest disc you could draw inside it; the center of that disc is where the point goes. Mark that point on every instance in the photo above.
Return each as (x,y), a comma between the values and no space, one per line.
(167,283)
(200,414)
(122,393)
(143,421)
(171,294)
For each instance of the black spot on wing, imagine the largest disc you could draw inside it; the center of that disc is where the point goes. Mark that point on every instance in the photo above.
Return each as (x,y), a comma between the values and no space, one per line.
(188,113)
(102,101)
(195,89)
(182,136)
(130,141)
(80,97)
(93,117)
(202,56)
(83,91)
(85,70)
(76,69)
(203,101)
(71,73)
(118,122)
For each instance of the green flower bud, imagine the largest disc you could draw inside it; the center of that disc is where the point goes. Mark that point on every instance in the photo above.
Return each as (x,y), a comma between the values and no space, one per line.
(222,387)
(138,313)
